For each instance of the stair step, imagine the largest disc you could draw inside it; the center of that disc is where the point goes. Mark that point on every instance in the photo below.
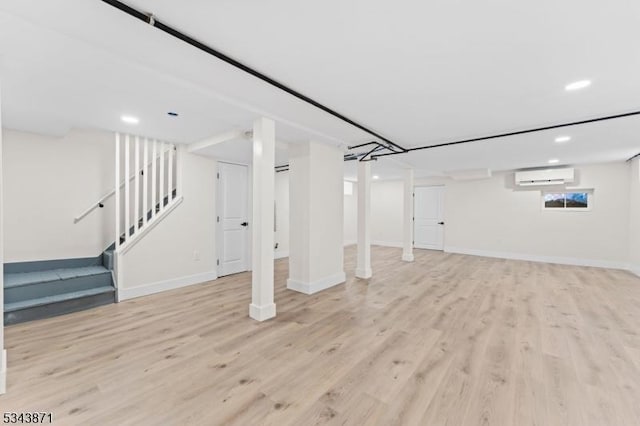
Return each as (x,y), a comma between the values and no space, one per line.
(16,306)
(60,304)
(28,278)
(36,285)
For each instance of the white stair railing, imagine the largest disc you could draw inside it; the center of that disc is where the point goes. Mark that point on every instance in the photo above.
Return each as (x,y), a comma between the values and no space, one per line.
(155,189)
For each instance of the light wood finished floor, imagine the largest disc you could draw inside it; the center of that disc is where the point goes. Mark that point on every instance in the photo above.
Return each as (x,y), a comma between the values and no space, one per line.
(449,339)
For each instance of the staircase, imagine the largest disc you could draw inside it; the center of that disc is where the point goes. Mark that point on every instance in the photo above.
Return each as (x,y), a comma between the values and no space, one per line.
(43,289)
(36,290)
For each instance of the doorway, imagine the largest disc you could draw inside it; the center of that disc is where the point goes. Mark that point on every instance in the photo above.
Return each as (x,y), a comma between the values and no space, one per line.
(233,223)
(428,230)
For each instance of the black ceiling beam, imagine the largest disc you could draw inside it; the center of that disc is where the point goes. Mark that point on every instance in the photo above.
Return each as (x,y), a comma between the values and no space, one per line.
(151,20)
(519,132)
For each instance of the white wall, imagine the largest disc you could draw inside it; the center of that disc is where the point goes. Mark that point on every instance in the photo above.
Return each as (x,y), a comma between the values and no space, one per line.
(49,181)
(488,217)
(3,354)
(181,249)
(387,203)
(282,214)
(350,219)
(634,218)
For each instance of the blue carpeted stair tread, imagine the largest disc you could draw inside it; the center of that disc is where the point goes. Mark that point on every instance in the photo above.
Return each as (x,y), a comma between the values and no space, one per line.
(27,278)
(11,307)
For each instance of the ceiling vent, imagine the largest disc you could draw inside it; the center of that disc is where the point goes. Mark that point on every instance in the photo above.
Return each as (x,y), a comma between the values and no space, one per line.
(545,177)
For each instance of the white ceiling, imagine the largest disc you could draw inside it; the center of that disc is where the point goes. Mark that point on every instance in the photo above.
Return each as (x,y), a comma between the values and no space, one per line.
(417,72)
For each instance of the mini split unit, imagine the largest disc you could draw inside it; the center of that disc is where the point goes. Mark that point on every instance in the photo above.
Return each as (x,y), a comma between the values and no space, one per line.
(545,177)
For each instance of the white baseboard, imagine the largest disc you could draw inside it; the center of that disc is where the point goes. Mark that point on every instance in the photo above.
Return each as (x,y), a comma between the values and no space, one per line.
(364,273)
(634,269)
(160,286)
(281,254)
(3,371)
(535,258)
(387,243)
(318,285)
(262,313)
(350,242)
(408,257)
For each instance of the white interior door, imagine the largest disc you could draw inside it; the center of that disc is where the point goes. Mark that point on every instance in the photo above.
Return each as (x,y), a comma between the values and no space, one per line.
(233,247)
(428,224)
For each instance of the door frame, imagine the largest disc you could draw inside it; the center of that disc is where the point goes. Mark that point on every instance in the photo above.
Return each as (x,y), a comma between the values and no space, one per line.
(218,225)
(444,229)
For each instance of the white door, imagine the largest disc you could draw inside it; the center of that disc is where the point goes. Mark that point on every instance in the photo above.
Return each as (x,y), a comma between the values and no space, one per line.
(232,219)
(428,227)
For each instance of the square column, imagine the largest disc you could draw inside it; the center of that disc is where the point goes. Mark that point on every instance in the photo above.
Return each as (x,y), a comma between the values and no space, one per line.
(407,217)
(363,268)
(316,197)
(264,145)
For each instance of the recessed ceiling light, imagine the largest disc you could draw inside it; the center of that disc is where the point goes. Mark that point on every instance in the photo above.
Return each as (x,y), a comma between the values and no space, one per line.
(376,177)
(563,139)
(577,85)
(129,119)
(172,114)
(554,161)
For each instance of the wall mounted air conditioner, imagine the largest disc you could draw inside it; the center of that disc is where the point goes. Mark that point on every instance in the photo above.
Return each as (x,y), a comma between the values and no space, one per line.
(545,177)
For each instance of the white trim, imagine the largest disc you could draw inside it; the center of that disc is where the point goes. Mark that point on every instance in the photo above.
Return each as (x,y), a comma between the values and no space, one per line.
(280,254)
(364,273)
(407,257)
(262,313)
(160,286)
(387,243)
(317,285)
(634,269)
(350,242)
(126,246)
(3,371)
(536,258)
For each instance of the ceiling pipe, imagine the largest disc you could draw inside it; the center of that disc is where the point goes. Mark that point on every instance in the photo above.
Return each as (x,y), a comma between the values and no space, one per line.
(519,132)
(152,20)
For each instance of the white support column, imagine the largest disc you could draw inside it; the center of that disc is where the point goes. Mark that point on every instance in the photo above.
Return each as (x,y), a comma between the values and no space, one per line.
(316,219)
(407,235)
(3,352)
(262,306)
(363,268)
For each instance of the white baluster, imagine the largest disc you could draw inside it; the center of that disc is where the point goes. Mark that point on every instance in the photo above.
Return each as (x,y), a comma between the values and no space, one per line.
(154,177)
(136,183)
(162,148)
(145,182)
(117,195)
(127,195)
(170,179)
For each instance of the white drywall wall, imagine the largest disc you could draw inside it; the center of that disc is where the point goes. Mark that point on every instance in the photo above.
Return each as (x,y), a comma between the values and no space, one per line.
(181,249)
(3,360)
(489,217)
(350,220)
(634,217)
(49,181)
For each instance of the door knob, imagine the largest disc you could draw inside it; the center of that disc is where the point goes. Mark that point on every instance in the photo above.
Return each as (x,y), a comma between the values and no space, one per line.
(440,223)
(244,224)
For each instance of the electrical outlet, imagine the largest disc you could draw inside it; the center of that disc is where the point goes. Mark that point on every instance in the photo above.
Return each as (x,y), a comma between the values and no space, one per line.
(196,255)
